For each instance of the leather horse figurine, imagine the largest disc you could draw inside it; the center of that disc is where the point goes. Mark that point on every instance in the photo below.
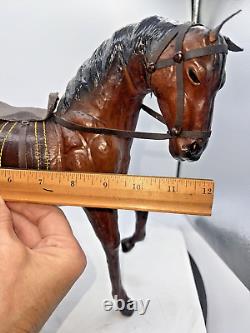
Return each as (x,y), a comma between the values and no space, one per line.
(93,126)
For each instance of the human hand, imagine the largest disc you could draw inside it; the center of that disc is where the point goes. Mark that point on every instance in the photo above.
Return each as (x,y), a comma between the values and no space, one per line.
(39,262)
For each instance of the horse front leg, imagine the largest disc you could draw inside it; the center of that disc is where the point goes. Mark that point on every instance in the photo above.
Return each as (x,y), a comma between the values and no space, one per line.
(105,225)
(139,234)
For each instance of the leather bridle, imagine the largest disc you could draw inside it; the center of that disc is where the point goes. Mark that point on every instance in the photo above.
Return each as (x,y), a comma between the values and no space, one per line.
(154,63)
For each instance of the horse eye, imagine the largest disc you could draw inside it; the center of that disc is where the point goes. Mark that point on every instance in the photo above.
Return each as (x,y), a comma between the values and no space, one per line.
(193,77)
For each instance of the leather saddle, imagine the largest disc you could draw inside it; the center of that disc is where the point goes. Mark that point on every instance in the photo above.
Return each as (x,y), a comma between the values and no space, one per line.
(12,113)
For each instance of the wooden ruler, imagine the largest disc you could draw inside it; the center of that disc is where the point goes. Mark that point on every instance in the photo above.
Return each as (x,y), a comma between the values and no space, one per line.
(161,194)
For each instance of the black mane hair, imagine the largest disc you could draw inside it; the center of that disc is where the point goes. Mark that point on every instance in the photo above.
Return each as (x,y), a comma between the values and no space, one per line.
(134,38)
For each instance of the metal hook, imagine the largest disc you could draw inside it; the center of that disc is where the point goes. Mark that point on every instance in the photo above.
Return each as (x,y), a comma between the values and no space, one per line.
(196,5)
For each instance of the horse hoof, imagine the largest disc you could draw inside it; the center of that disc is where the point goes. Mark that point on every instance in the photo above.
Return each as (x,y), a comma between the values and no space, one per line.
(127,311)
(127,245)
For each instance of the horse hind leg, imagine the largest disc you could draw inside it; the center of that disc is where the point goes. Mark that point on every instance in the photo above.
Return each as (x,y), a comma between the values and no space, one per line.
(139,234)
(105,225)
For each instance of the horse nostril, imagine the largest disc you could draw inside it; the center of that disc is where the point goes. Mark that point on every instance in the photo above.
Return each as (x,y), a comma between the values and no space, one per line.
(194,148)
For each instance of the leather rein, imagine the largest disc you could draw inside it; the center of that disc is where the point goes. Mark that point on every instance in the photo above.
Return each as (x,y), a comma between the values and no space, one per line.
(153,63)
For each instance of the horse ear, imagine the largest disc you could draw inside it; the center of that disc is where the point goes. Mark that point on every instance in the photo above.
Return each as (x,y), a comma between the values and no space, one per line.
(231,46)
(213,34)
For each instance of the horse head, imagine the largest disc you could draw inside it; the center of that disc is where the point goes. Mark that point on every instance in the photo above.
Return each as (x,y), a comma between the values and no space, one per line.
(185,72)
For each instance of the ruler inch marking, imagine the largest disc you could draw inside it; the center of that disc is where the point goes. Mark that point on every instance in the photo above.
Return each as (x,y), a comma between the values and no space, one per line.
(104,190)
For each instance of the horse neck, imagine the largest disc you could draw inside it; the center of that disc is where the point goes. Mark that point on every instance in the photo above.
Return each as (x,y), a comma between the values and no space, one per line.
(116,101)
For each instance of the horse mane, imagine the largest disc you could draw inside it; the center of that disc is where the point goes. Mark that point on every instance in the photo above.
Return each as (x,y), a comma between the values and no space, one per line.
(132,39)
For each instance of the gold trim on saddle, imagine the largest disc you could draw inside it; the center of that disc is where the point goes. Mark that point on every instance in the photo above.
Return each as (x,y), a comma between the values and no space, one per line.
(2,128)
(37,150)
(5,139)
(46,151)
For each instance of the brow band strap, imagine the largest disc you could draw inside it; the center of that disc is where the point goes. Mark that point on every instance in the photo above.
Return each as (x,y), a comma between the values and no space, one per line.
(196,53)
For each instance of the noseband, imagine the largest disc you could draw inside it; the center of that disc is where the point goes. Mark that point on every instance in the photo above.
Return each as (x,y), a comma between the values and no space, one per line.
(154,63)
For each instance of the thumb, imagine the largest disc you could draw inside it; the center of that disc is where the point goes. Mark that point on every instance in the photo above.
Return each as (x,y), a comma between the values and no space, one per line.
(6,225)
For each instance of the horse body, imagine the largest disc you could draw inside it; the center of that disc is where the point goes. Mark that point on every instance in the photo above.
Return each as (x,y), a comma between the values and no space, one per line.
(108,91)
(111,105)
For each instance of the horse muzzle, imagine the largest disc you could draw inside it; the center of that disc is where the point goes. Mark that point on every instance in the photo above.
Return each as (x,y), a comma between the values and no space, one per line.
(187,150)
